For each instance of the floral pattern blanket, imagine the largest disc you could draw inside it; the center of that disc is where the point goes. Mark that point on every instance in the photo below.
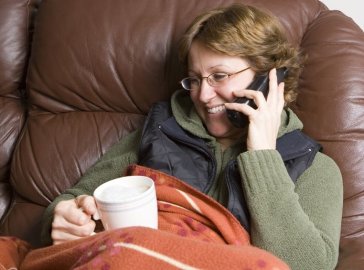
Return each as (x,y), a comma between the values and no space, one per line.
(194,232)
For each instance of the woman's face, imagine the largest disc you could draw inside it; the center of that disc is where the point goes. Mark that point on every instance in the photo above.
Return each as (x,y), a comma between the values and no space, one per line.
(209,100)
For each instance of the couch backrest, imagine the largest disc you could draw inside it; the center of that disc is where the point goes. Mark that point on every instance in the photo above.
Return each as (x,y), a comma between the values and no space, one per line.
(96,67)
(15,29)
(332,109)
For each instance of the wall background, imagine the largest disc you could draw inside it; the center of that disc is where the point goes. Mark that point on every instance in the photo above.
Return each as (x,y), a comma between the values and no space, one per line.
(350,8)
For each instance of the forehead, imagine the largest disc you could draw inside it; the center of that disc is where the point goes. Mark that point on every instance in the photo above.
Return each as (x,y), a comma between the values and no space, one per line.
(202,58)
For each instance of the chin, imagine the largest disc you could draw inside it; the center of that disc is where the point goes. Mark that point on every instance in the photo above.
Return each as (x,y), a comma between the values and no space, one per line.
(224,130)
(219,131)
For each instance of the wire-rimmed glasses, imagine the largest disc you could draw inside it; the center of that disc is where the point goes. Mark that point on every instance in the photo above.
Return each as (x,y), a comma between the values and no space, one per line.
(214,79)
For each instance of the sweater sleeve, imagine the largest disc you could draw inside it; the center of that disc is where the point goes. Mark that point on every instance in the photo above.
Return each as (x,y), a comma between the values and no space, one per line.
(299,223)
(109,166)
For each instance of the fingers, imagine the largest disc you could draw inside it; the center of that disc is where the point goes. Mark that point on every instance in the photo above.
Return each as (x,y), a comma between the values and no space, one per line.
(249,111)
(264,121)
(71,221)
(245,109)
(63,231)
(275,98)
(71,212)
(88,204)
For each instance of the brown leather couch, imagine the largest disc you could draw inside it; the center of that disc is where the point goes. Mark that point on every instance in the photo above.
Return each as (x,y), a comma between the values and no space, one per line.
(77,76)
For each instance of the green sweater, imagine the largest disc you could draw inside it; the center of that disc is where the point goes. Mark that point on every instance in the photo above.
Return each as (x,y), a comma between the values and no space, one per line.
(298,223)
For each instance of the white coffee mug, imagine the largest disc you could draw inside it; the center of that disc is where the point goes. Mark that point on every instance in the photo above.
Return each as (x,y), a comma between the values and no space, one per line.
(127,201)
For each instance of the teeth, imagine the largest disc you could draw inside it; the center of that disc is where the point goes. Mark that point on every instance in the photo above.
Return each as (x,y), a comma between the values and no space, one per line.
(216,109)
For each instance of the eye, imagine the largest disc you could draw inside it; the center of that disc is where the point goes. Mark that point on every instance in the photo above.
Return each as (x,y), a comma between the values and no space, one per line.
(194,81)
(219,76)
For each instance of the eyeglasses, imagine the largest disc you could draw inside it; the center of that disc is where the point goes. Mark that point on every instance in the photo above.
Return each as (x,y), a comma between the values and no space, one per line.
(214,79)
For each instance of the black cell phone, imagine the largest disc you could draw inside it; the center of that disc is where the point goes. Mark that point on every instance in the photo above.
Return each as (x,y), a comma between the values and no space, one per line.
(260,83)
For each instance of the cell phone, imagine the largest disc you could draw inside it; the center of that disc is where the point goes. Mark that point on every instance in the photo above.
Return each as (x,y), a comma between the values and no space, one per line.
(260,83)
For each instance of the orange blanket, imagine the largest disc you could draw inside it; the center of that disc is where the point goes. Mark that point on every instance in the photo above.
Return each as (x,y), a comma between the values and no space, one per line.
(195,232)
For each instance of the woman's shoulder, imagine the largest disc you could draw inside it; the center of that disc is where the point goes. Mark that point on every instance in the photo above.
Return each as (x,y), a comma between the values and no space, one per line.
(323,171)
(325,162)
(126,145)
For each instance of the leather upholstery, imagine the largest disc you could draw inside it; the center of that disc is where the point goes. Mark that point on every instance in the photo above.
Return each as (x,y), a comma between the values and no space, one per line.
(77,76)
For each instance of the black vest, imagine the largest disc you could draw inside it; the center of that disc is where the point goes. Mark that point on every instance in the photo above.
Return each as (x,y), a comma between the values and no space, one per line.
(166,147)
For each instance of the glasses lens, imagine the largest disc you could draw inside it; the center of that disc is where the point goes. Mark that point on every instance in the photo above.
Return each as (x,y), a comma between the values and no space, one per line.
(216,78)
(190,83)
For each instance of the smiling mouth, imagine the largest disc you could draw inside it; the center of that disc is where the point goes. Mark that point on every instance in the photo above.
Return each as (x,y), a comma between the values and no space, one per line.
(216,109)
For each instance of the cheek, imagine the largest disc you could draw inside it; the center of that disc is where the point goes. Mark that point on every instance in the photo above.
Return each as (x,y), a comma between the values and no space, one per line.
(238,84)
(194,98)
(226,93)
(196,102)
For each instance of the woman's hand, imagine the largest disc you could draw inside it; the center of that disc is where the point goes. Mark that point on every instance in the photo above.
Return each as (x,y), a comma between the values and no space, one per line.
(72,219)
(264,121)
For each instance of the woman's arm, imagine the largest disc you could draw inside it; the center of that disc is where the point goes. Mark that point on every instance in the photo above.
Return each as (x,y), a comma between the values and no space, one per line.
(298,223)
(110,166)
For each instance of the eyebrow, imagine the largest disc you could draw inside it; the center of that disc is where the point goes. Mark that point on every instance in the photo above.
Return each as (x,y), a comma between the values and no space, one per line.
(210,68)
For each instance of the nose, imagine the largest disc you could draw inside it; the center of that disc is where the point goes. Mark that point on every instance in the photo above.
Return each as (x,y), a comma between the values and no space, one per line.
(207,92)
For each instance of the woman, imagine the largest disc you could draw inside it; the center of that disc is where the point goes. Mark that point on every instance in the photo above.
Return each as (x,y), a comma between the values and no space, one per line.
(224,50)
